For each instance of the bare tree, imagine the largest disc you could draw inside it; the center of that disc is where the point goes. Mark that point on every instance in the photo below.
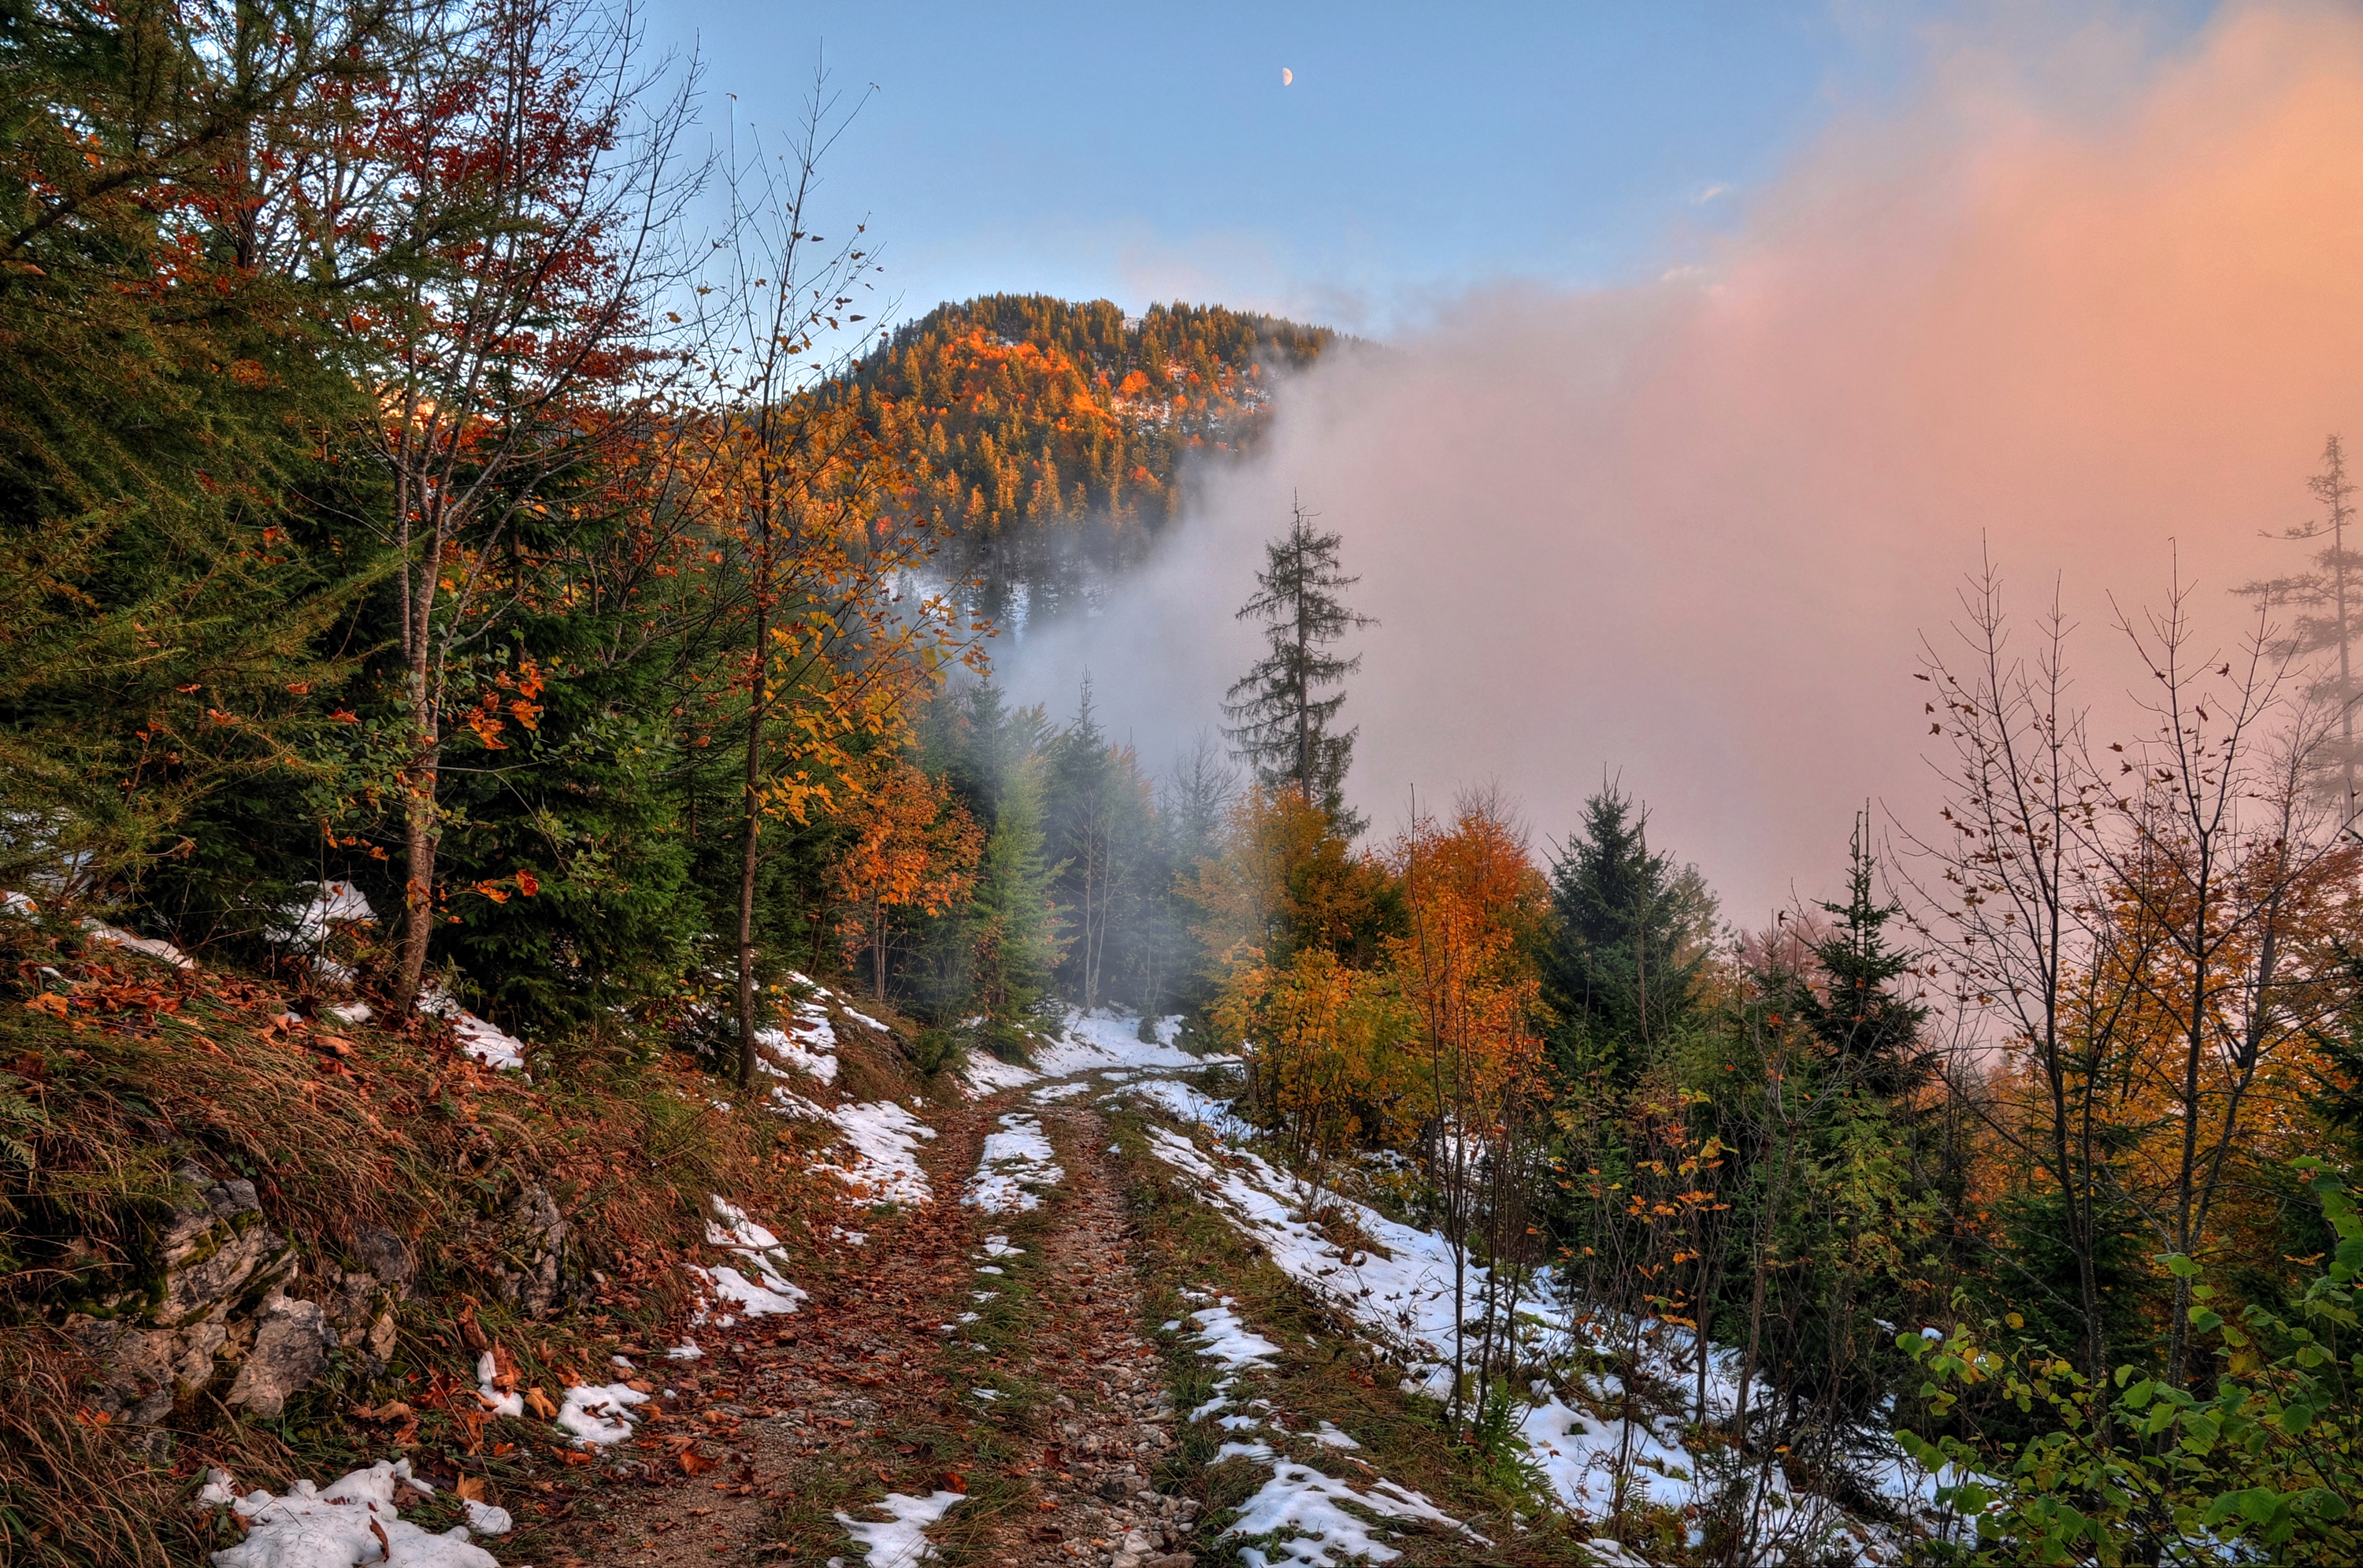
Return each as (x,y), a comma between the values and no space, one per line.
(2008,902)
(2132,932)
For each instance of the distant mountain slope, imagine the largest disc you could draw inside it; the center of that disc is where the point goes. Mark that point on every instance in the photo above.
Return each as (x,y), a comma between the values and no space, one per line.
(1056,438)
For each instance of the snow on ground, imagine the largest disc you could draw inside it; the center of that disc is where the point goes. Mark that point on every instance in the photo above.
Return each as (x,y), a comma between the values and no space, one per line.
(1183,1103)
(307,925)
(880,1164)
(492,1046)
(1101,1041)
(900,1542)
(808,1053)
(761,1251)
(1400,1291)
(1579,1456)
(1014,1159)
(599,1417)
(152,946)
(1224,1338)
(350,1522)
(498,1402)
(983,1074)
(1306,1511)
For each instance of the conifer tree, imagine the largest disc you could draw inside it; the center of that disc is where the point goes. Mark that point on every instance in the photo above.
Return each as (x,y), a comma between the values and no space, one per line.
(2325,598)
(1016,925)
(1872,1031)
(1279,719)
(1623,961)
(1094,836)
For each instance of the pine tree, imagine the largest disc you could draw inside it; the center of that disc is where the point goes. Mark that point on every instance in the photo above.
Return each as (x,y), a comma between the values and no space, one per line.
(1279,720)
(1095,823)
(1622,963)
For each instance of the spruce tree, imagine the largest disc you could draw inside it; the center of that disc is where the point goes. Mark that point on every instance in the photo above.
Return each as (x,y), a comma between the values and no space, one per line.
(1279,719)
(1629,940)
(1015,923)
(2328,602)
(1872,1031)
(1094,820)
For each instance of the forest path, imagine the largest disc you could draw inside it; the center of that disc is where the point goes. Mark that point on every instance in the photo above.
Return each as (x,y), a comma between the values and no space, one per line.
(974,1386)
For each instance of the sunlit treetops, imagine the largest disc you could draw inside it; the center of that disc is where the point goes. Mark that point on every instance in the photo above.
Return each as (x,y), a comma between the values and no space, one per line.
(1027,413)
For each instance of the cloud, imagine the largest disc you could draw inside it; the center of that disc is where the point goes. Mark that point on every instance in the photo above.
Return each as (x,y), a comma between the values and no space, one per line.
(1691,533)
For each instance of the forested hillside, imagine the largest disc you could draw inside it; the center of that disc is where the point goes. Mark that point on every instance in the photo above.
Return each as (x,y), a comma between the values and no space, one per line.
(1055,439)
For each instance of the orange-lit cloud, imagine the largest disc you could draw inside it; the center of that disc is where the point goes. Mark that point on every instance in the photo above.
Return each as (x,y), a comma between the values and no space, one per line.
(1692,532)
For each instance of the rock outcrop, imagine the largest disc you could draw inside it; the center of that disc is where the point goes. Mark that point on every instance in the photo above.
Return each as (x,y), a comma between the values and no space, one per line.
(227,1295)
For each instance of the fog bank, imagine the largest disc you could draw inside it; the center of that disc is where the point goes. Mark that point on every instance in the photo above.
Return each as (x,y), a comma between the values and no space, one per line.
(1691,533)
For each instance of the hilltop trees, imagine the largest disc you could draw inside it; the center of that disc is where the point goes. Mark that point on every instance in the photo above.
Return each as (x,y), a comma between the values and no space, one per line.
(1279,717)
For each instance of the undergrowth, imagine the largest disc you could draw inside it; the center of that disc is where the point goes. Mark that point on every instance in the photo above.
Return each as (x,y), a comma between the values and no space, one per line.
(117,1069)
(1326,1371)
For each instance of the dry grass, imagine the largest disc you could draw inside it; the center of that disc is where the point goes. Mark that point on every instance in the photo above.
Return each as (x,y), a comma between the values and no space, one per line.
(69,1493)
(123,1069)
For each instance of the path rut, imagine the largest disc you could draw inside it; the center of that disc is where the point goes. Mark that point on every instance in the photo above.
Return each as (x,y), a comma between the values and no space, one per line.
(865,1392)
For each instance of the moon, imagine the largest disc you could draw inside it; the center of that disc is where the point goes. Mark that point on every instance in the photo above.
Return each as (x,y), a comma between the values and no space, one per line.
(1286,76)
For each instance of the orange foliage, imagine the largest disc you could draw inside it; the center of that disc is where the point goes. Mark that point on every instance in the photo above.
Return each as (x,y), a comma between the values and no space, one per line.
(914,847)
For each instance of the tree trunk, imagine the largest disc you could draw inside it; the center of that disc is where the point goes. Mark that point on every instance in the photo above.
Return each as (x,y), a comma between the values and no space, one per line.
(421,839)
(751,831)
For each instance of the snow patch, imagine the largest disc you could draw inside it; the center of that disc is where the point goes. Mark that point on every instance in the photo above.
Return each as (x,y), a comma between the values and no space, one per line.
(759,1250)
(1306,1512)
(793,1049)
(152,946)
(308,926)
(1015,1158)
(351,1522)
(901,1542)
(499,1404)
(493,1047)
(1229,1341)
(599,1417)
(884,1167)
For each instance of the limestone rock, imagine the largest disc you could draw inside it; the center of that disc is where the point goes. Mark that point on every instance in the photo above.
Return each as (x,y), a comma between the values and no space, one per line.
(538,1279)
(292,1343)
(213,1248)
(384,1254)
(213,1251)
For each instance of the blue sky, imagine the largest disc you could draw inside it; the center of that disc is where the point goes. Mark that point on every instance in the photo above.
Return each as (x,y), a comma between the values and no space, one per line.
(1147,153)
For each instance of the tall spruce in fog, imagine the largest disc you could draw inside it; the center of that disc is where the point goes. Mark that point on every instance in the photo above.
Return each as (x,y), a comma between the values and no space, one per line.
(1015,924)
(2325,598)
(1096,817)
(1623,963)
(1874,1031)
(1280,720)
